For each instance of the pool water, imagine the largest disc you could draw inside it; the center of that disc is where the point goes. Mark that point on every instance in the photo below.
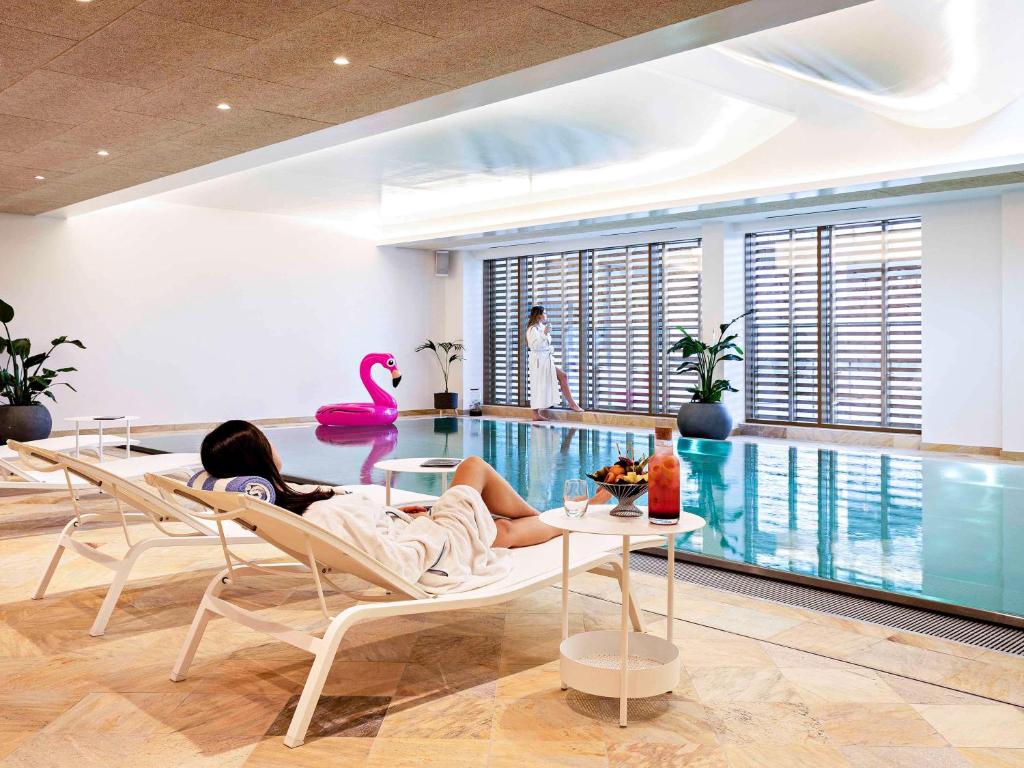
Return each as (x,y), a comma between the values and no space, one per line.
(941,529)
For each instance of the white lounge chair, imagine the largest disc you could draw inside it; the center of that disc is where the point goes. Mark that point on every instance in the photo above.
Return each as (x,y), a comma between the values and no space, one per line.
(39,469)
(134,503)
(64,444)
(318,553)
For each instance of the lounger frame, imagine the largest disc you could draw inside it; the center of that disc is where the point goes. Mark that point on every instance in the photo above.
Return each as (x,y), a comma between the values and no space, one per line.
(318,553)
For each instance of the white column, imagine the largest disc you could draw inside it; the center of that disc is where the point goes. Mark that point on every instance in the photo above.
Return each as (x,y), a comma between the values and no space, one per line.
(1013,321)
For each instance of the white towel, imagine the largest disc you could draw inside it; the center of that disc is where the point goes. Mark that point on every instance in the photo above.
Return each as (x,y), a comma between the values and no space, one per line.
(449,551)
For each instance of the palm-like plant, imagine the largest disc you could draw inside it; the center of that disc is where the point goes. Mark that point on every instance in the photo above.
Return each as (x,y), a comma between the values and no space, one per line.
(446,353)
(702,358)
(23,378)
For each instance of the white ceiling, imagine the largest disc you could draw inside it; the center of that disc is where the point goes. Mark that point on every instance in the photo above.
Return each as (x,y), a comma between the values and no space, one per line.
(888,89)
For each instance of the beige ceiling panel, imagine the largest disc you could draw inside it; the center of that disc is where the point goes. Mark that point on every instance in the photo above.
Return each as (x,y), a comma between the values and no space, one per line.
(63,18)
(99,180)
(195,96)
(252,18)
(146,51)
(440,18)
(524,40)
(175,156)
(19,177)
(628,17)
(246,129)
(360,91)
(304,56)
(58,156)
(42,198)
(19,133)
(21,51)
(117,131)
(62,98)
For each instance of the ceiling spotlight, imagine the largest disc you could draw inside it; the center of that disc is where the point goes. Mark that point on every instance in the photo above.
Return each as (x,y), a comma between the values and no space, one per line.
(103,153)
(40,178)
(224,106)
(341,61)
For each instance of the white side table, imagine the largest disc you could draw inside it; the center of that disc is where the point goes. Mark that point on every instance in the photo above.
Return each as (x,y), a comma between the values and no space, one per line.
(100,421)
(618,663)
(412,465)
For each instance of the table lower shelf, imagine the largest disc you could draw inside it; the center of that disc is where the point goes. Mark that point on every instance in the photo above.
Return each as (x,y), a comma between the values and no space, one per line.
(591,662)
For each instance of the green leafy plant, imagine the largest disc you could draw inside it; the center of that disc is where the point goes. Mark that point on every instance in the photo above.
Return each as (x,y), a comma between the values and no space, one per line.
(447,353)
(24,377)
(702,358)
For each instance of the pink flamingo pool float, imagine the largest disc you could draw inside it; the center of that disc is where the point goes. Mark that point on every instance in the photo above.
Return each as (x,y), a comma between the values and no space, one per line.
(383,409)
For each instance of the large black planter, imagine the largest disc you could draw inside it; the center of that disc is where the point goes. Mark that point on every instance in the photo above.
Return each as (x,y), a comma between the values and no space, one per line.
(446,401)
(24,423)
(710,421)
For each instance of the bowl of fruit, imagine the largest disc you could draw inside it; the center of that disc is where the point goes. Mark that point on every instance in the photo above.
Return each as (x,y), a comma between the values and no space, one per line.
(626,480)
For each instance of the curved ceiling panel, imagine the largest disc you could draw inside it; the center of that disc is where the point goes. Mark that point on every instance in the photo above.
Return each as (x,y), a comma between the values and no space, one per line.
(925,63)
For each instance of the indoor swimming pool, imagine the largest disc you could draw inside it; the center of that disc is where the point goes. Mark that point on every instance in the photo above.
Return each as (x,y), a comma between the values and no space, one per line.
(941,529)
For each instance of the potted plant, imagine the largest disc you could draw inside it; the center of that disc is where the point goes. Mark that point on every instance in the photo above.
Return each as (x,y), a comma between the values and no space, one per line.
(446,353)
(705,416)
(23,380)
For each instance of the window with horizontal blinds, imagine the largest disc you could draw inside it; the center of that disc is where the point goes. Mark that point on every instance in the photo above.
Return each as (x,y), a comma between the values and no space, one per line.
(613,313)
(834,337)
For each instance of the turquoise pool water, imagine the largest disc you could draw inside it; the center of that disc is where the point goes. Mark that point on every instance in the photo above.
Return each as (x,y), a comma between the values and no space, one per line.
(941,529)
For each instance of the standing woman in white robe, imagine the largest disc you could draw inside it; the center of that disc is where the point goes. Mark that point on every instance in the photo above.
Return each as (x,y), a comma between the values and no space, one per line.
(545,377)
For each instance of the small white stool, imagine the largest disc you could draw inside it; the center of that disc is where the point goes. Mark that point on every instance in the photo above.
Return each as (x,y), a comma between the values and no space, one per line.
(100,420)
(412,465)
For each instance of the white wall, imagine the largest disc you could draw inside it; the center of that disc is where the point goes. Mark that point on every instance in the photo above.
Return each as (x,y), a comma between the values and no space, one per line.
(194,315)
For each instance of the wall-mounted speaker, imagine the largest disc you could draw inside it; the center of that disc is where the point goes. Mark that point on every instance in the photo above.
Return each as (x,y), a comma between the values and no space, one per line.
(442,263)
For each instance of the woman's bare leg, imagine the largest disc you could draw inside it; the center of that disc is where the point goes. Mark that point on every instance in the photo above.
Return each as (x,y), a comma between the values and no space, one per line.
(563,382)
(524,528)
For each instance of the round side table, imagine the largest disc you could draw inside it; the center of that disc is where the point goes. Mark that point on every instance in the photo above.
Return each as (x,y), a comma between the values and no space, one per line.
(618,663)
(100,421)
(412,465)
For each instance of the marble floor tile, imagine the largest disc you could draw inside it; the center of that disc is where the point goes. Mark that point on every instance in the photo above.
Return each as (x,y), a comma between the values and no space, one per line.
(976,725)
(904,757)
(352,716)
(455,716)
(428,753)
(119,713)
(993,757)
(715,654)
(881,725)
(827,641)
(919,663)
(656,755)
(349,752)
(761,724)
(543,716)
(915,692)
(738,684)
(801,754)
(840,686)
(542,754)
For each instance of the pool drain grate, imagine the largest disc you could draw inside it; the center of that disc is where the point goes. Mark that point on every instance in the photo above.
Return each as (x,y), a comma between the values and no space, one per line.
(984,634)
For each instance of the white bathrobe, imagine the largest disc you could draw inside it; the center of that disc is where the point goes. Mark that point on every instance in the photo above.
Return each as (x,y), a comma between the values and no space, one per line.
(543,379)
(448,550)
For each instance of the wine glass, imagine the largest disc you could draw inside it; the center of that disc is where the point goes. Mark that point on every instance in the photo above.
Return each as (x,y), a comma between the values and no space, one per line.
(575,497)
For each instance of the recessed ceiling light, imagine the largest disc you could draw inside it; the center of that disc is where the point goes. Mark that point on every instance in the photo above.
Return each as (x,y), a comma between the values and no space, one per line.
(341,61)
(224,105)
(103,153)
(40,178)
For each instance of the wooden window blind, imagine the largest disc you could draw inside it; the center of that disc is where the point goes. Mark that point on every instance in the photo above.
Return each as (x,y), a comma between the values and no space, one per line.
(835,334)
(613,313)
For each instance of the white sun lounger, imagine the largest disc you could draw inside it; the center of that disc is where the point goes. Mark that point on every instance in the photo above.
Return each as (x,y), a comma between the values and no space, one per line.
(135,503)
(36,473)
(62,444)
(319,553)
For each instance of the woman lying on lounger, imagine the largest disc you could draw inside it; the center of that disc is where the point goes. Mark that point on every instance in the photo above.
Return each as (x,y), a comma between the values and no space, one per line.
(238,448)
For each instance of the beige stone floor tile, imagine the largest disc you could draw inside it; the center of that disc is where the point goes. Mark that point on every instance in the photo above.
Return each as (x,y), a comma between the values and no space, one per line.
(427,753)
(784,656)
(792,755)
(456,650)
(919,663)
(10,741)
(993,758)
(118,713)
(1003,683)
(881,725)
(543,716)
(840,686)
(904,757)
(655,755)
(226,713)
(274,676)
(750,622)
(915,692)
(315,753)
(727,684)
(431,681)
(762,724)
(541,754)
(828,641)
(730,652)
(937,644)
(455,716)
(999,659)
(30,710)
(665,719)
(976,725)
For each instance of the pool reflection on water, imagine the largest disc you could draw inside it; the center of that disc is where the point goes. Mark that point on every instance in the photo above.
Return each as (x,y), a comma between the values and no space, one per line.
(943,529)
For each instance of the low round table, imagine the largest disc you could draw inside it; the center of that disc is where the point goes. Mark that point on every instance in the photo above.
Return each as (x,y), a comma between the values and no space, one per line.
(618,662)
(100,421)
(412,465)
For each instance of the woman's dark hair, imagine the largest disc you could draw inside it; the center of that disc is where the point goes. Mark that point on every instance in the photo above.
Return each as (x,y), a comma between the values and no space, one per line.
(238,448)
(535,315)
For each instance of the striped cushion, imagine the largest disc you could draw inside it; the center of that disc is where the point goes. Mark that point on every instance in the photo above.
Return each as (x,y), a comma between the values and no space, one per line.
(250,485)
